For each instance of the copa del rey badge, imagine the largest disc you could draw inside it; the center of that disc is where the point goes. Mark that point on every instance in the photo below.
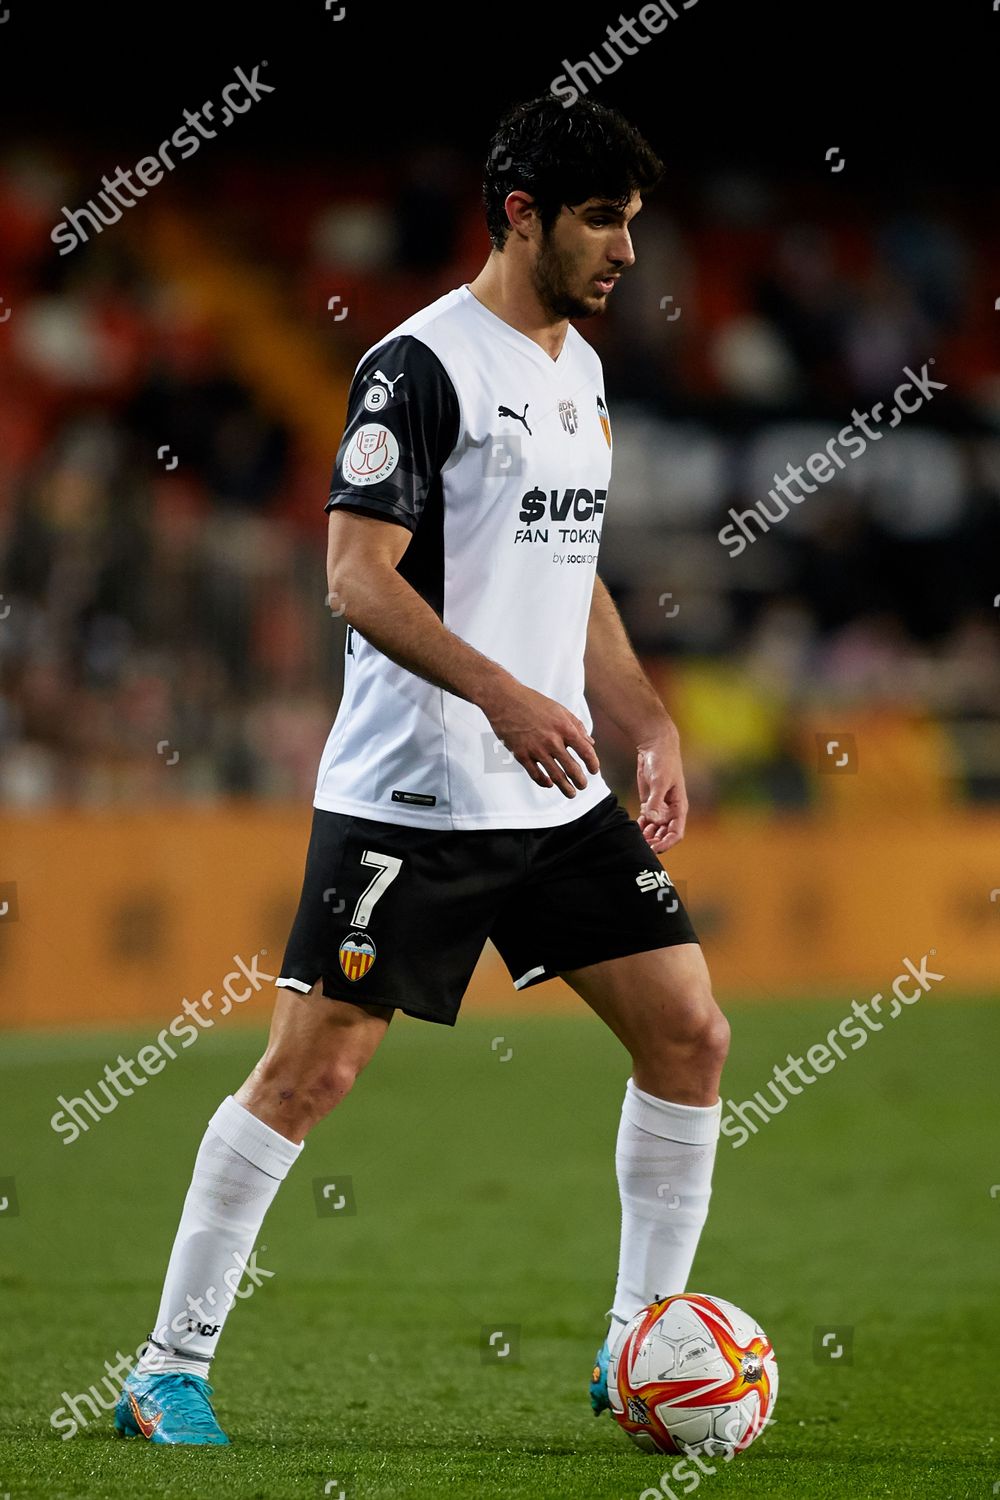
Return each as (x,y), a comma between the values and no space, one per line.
(357,954)
(372,455)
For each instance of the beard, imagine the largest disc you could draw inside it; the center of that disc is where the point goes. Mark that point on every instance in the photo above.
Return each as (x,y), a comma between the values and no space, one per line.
(552,275)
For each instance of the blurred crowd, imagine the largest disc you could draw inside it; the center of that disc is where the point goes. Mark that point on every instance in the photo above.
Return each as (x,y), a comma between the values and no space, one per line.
(172,396)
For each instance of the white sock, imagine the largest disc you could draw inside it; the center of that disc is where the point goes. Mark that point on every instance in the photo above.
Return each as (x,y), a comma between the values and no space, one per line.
(239,1167)
(664,1158)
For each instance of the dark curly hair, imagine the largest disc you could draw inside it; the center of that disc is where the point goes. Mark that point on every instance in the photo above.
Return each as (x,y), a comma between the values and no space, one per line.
(564,155)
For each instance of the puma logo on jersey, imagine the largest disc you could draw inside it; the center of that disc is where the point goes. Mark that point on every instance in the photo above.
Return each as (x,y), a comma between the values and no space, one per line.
(505,411)
(391,384)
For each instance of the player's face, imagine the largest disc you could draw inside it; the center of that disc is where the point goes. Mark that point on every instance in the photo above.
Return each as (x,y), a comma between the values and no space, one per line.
(581,257)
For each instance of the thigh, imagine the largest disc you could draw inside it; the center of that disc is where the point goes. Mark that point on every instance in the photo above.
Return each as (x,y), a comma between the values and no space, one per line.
(395,916)
(646,998)
(593,891)
(307,1031)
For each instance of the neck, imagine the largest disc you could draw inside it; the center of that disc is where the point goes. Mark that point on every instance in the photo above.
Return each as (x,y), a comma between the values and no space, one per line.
(511,297)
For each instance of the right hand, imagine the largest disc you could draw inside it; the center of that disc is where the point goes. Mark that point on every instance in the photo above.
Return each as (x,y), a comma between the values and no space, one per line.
(542,736)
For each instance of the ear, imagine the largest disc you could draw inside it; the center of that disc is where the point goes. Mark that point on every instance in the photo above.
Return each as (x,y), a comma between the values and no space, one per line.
(522,212)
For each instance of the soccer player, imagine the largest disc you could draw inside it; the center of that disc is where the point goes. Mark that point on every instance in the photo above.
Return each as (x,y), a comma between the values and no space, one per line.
(460,796)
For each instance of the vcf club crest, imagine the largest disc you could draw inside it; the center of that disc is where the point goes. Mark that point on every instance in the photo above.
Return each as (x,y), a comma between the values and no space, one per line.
(357,954)
(567,416)
(605,420)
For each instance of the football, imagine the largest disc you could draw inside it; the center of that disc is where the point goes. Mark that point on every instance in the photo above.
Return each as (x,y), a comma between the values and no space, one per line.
(693,1374)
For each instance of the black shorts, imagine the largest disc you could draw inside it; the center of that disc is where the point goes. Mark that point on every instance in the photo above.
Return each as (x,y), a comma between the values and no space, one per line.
(394,915)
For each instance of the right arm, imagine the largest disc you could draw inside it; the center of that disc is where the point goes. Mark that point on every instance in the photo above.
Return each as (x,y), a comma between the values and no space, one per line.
(365,588)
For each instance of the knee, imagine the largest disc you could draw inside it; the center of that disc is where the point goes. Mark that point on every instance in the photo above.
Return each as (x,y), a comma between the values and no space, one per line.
(714,1037)
(326,1084)
(681,1051)
(305,1094)
(697,1028)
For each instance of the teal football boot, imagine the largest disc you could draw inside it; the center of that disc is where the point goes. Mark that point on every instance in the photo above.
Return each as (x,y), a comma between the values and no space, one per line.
(599,1381)
(171,1408)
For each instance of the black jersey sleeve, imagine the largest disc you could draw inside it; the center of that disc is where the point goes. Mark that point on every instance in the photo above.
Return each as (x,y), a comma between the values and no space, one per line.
(402,424)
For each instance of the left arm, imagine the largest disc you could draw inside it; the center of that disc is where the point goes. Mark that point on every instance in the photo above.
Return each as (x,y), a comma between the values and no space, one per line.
(616,682)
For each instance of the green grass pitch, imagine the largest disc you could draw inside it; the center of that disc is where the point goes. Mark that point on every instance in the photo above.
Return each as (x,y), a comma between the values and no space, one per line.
(485,1199)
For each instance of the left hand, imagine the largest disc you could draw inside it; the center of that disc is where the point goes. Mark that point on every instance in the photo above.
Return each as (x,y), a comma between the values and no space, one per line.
(662,794)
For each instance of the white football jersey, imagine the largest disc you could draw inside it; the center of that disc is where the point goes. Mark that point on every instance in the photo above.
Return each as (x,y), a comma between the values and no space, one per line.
(497,458)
